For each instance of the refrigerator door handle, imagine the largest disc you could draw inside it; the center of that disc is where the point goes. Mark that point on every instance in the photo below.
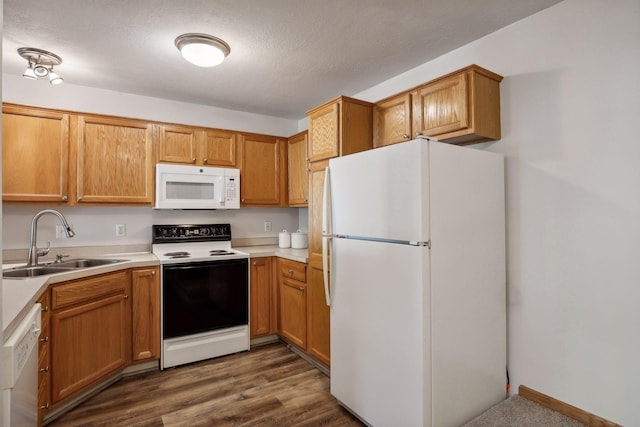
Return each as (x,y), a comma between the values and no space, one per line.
(325,268)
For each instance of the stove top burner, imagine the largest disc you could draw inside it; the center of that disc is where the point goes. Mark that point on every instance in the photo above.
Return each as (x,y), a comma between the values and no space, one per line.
(216,252)
(177,254)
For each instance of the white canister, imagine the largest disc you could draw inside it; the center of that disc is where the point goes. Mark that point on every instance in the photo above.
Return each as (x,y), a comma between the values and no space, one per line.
(299,240)
(284,239)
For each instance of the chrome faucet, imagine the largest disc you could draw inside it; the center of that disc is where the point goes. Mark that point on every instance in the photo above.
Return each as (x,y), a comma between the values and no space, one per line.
(34,252)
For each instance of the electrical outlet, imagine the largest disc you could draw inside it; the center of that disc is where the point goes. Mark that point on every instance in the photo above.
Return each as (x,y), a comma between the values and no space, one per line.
(267,226)
(121,230)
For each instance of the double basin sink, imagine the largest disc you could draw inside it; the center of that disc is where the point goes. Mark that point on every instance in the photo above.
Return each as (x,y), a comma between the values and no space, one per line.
(57,267)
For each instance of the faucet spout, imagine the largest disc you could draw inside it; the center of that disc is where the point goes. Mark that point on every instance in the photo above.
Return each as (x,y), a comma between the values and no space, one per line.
(34,252)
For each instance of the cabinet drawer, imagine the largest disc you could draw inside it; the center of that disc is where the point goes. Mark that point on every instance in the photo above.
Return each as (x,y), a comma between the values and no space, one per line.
(294,270)
(88,289)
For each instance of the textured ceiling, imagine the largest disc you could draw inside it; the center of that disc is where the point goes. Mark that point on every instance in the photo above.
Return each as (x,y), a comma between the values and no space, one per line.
(287,56)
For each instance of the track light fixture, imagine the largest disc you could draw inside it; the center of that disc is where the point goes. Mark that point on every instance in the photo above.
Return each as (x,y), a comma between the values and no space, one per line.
(202,50)
(41,64)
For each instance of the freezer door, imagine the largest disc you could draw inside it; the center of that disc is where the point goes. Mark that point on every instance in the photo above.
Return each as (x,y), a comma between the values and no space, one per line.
(382,193)
(378,331)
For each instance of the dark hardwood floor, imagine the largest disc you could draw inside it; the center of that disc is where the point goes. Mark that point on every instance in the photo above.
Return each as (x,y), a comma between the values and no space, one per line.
(267,386)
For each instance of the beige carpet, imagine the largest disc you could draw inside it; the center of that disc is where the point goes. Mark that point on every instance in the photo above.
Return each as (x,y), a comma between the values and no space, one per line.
(520,412)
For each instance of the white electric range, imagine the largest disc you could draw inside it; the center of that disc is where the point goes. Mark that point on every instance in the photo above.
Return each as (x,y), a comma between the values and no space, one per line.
(205,292)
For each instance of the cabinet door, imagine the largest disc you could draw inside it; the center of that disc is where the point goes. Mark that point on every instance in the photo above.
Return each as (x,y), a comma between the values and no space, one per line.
(319,332)
(392,120)
(35,155)
(442,106)
(261,294)
(218,147)
(114,161)
(319,315)
(145,313)
(88,342)
(177,144)
(262,175)
(298,170)
(324,132)
(293,311)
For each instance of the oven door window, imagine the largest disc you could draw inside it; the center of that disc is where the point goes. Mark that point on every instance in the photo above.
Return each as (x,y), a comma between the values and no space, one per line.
(204,296)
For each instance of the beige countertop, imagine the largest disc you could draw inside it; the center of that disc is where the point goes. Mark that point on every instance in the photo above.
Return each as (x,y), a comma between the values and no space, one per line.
(18,295)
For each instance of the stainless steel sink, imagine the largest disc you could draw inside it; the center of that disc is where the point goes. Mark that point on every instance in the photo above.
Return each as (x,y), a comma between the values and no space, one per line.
(57,267)
(85,263)
(25,272)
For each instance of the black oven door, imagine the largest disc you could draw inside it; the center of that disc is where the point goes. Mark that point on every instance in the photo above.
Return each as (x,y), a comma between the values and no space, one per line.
(204,296)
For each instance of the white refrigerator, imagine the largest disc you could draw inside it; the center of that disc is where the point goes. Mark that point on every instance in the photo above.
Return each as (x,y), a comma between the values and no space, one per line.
(414,234)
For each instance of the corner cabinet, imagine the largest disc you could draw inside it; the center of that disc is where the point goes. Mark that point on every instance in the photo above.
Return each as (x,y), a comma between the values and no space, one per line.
(263,170)
(113,161)
(90,332)
(298,170)
(145,313)
(35,153)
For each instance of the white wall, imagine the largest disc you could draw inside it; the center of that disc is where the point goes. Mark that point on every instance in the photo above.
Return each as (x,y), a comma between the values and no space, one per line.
(570,103)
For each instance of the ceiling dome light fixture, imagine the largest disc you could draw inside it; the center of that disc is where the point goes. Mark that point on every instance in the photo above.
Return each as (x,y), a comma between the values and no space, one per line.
(41,64)
(202,50)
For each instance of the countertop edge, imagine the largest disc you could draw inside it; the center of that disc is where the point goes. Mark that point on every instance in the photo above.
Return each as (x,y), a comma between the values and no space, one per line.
(18,295)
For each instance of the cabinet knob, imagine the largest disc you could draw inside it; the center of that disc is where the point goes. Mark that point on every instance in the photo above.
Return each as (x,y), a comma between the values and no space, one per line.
(65,198)
(290,271)
(153,273)
(125,296)
(45,369)
(302,289)
(405,136)
(45,406)
(45,308)
(45,339)
(306,201)
(418,133)
(79,198)
(205,160)
(193,160)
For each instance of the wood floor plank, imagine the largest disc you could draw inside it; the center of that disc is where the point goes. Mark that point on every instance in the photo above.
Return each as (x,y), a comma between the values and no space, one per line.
(267,386)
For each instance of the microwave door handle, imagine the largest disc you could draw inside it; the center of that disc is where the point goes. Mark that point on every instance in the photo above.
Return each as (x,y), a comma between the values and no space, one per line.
(222,191)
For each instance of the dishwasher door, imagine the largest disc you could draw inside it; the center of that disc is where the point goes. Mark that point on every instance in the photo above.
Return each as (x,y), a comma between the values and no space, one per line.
(20,375)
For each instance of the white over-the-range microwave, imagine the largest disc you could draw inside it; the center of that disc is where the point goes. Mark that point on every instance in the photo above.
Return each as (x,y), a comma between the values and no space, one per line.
(197,187)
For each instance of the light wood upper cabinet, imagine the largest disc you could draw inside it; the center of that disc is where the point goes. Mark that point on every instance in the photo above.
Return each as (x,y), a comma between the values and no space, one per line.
(177,144)
(113,160)
(339,127)
(195,146)
(460,108)
(298,170)
(261,298)
(392,120)
(35,155)
(217,147)
(145,313)
(263,174)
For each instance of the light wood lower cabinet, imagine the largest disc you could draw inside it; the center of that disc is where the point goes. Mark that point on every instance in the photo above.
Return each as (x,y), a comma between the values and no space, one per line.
(292,287)
(261,297)
(145,313)
(90,331)
(318,324)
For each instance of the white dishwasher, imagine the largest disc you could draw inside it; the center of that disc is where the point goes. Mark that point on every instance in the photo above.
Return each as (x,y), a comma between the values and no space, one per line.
(20,375)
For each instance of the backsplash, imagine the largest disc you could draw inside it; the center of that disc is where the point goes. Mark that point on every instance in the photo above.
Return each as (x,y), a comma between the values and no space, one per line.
(96,225)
